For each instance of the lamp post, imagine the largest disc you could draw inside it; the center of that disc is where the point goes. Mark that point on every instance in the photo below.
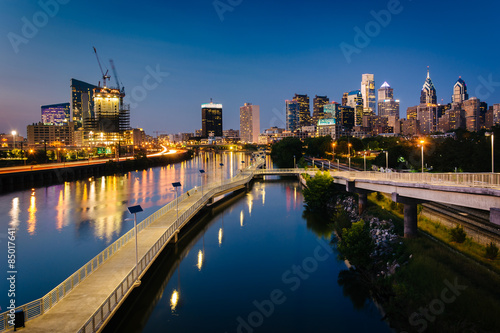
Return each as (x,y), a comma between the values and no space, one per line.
(333,152)
(176,185)
(349,154)
(294,164)
(422,146)
(134,210)
(221,165)
(386,160)
(364,158)
(492,151)
(338,164)
(202,173)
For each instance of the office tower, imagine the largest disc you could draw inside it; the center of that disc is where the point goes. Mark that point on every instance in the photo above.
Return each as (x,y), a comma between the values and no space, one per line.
(368,93)
(51,135)
(344,99)
(387,106)
(318,104)
(411,112)
(428,95)
(56,114)
(483,109)
(459,92)
(82,102)
(211,120)
(355,101)
(427,115)
(345,117)
(304,110)
(496,114)
(330,110)
(292,115)
(249,123)
(471,109)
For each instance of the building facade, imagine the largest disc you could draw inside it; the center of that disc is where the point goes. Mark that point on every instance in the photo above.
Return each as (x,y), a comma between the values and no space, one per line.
(368,94)
(292,115)
(211,120)
(460,94)
(428,94)
(304,110)
(51,135)
(56,114)
(82,101)
(249,123)
(318,108)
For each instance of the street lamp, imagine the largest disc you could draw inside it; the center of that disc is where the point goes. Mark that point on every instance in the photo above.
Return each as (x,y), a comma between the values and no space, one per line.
(294,164)
(176,185)
(14,133)
(422,146)
(134,210)
(386,160)
(492,151)
(202,172)
(221,165)
(349,154)
(364,158)
(333,153)
(338,164)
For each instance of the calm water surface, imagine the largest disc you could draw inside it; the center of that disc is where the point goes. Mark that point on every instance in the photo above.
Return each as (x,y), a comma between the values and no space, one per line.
(253,265)
(61,227)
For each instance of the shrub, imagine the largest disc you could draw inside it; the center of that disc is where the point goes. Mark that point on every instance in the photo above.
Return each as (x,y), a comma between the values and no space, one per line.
(356,244)
(491,251)
(379,196)
(458,234)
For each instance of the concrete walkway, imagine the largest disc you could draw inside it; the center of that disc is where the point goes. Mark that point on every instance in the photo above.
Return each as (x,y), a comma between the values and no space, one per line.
(73,311)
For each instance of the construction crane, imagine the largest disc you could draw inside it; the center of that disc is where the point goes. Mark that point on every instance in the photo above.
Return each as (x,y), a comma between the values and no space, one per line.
(122,89)
(105,76)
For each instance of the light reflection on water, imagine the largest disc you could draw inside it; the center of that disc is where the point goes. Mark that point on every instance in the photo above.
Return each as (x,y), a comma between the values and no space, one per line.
(62,227)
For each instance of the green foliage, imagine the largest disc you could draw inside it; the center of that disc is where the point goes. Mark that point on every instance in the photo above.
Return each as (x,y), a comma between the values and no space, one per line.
(317,147)
(341,220)
(458,234)
(379,196)
(491,251)
(319,192)
(356,244)
(282,152)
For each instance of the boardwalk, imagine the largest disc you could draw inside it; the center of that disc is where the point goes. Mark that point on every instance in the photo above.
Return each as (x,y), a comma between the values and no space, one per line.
(87,299)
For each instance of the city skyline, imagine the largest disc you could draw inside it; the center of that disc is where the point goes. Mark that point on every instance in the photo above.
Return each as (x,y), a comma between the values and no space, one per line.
(170,61)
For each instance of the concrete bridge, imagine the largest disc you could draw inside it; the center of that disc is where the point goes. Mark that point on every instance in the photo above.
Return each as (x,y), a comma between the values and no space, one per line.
(87,300)
(473,190)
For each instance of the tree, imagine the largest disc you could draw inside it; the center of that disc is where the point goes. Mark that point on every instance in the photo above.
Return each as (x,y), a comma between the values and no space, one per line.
(319,193)
(356,244)
(283,152)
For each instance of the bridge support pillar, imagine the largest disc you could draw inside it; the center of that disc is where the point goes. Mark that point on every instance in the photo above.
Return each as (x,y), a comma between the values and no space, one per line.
(176,237)
(410,214)
(495,215)
(362,196)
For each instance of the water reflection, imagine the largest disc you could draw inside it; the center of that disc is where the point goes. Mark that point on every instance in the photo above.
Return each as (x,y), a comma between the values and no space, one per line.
(32,215)
(319,224)
(14,213)
(354,287)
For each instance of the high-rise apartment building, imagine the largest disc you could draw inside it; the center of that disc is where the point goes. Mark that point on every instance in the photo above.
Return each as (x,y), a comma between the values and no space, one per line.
(249,123)
(330,110)
(304,110)
(82,101)
(427,116)
(292,115)
(110,114)
(318,112)
(211,120)
(344,99)
(428,94)
(496,114)
(368,93)
(56,114)
(459,92)
(387,106)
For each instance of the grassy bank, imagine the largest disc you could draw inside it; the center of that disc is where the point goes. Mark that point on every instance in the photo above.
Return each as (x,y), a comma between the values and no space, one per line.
(422,299)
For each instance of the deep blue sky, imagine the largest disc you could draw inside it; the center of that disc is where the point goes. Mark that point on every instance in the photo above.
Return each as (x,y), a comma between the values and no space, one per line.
(263,52)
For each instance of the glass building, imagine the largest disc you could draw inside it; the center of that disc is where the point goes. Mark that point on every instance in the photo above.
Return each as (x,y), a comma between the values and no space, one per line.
(304,110)
(211,120)
(82,102)
(56,114)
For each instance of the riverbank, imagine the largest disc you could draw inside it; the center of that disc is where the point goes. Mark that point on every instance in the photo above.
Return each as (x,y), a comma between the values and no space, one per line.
(439,290)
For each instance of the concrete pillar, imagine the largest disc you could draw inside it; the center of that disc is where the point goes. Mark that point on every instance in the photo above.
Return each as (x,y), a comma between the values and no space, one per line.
(410,220)
(362,202)
(495,215)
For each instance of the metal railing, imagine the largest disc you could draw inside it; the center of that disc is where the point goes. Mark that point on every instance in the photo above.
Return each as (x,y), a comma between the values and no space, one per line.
(486,180)
(40,306)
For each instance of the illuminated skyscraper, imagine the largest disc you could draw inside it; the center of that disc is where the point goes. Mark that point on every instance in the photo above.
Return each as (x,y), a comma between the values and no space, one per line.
(56,114)
(387,106)
(355,101)
(318,112)
(211,120)
(459,92)
(82,102)
(368,93)
(250,123)
(304,110)
(428,95)
(292,115)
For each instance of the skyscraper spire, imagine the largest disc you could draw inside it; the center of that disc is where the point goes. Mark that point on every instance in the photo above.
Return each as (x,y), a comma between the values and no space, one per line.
(428,72)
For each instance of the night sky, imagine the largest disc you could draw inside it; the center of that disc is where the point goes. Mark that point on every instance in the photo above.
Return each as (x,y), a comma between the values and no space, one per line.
(256,51)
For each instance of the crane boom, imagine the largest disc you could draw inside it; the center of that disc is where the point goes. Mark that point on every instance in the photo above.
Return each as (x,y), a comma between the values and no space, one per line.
(105,76)
(114,73)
